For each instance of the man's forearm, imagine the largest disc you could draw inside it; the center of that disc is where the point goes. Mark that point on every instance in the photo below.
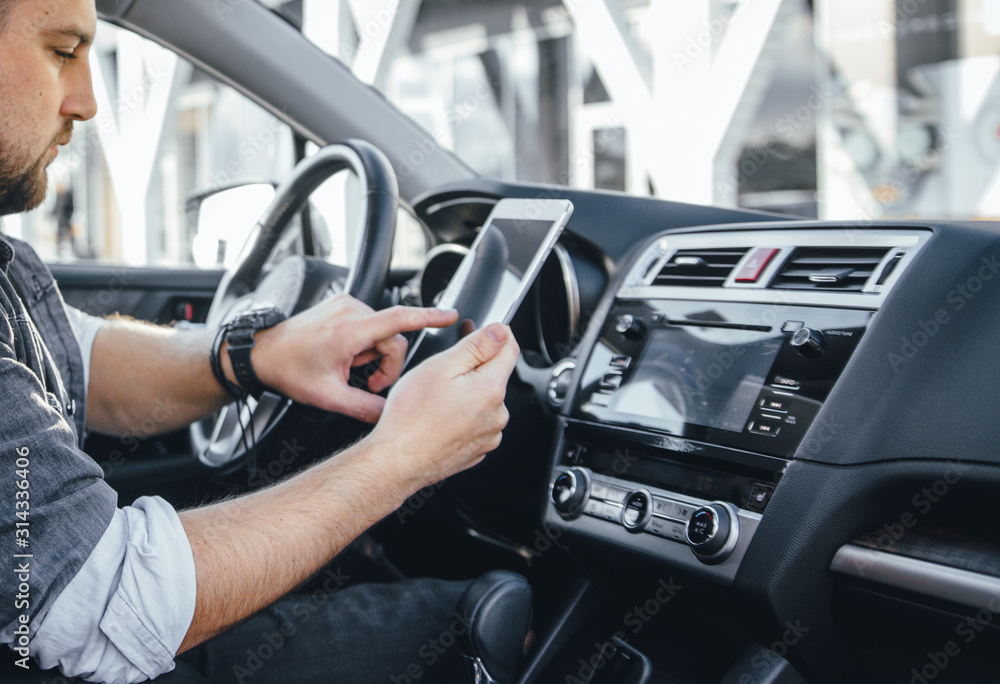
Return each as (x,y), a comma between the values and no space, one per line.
(249,552)
(147,379)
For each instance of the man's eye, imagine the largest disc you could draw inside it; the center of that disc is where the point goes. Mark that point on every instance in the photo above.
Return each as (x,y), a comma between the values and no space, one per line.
(65,55)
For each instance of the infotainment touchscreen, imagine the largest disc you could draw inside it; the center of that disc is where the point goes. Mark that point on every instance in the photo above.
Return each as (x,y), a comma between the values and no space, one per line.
(698,376)
(494,276)
(744,375)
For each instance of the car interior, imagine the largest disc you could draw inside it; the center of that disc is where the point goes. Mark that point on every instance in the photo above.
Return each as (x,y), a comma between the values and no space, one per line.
(743,447)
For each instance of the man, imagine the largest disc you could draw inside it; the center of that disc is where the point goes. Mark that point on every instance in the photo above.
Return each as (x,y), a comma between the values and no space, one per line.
(113,594)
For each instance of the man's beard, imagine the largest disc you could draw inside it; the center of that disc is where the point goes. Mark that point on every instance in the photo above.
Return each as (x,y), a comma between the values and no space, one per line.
(23,189)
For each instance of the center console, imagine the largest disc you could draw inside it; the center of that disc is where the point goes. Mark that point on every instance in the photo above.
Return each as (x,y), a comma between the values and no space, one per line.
(700,376)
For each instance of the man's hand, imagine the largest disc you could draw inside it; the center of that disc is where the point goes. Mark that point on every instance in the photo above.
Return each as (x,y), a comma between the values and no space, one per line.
(448,412)
(309,357)
(442,417)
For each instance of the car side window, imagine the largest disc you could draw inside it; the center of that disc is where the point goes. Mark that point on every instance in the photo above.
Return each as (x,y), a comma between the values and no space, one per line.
(165,132)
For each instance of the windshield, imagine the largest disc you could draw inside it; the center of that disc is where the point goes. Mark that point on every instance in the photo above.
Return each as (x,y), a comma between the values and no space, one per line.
(855,109)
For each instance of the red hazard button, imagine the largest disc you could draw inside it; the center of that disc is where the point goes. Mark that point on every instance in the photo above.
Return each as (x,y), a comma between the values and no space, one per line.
(755,264)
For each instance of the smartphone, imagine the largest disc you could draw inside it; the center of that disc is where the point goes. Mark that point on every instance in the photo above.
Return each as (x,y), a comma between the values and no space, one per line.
(493,278)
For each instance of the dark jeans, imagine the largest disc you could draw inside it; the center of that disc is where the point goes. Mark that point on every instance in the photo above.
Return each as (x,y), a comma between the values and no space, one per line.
(398,633)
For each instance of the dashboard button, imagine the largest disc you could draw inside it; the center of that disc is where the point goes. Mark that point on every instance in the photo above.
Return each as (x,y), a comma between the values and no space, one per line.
(775,402)
(791,326)
(602,399)
(612,380)
(573,452)
(616,495)
(659,526)
(760,495)
(598,490)
(664,508)
(637,510)
(621,361)
(594,508)
(611,512)
(763,428)
(755,264)
(683,510)
(787,383)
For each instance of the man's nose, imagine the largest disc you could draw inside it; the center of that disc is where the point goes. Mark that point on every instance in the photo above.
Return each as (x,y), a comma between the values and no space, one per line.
(80,103)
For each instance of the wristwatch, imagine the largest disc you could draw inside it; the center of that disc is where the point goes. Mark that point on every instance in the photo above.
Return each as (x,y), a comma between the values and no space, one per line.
(239,334)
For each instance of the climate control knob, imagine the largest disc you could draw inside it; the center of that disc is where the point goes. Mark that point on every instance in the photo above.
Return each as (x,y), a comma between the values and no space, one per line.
(569,491)
(712,532)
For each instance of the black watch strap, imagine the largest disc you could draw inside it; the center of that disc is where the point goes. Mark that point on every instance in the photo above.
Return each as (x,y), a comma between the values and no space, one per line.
(239,336)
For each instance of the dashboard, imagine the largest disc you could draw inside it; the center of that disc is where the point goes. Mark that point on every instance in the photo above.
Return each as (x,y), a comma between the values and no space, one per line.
(798,414)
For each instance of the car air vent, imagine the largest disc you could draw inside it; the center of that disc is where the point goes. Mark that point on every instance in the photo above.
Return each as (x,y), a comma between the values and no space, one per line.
(841,269)
(700,267)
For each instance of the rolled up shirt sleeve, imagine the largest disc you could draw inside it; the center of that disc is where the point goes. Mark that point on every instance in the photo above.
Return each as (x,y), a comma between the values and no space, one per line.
(85,328)
(124,615)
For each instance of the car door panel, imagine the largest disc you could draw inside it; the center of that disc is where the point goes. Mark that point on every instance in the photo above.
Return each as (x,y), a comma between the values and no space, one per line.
(158,295)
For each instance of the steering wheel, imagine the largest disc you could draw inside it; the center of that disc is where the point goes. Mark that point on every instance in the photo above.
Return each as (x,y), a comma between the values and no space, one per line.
(221,441)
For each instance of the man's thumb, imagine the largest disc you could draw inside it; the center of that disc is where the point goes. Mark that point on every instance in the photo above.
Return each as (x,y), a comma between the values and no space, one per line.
(481,346)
